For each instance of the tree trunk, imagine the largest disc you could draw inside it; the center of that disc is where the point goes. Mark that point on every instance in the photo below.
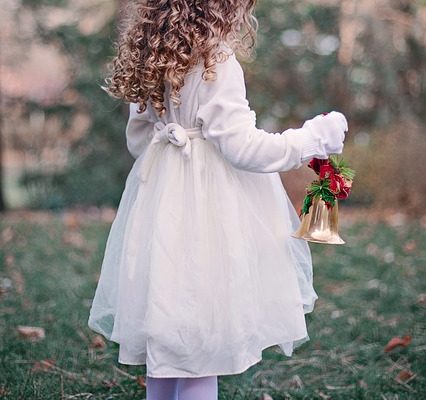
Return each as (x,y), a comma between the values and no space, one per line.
(2,203)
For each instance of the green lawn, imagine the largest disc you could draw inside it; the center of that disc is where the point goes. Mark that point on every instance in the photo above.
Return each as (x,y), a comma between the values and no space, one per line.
(371,289)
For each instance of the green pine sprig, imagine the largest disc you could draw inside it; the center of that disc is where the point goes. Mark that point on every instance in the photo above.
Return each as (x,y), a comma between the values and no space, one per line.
(341,167)
(319,188)
(307,202)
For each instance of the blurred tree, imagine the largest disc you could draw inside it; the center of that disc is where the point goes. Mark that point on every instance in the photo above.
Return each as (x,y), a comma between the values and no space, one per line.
(98,162)
(296,60)
(366,59)
(2,204)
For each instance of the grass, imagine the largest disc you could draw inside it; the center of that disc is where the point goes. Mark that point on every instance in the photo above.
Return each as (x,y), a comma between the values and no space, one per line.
(370,290)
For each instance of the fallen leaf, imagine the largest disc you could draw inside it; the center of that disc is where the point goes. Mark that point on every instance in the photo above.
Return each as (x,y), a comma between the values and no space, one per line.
(71,220)
(140,380)
(43,365)
(3,391)
(296,382)
(326,331)
(74,238)
(410,246)
(396,219)
(332,387)
(337,289)
(5,285)
(50,317)
(26,303)
(15,274)
(31,333)
(421,299)
(98,342)
(397,341)
(7,311)
(336,314)
(405,376)
(266,396)
(363,384)
(6,235)
(109,383)
(372,249)
(394,321)
(9,260)
(108,214)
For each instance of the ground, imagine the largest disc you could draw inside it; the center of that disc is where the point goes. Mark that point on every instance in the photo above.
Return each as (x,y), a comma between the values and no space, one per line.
(371,290)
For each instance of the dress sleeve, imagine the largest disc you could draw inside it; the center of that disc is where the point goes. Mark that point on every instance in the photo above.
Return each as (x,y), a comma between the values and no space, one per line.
(138,130)
(227,120)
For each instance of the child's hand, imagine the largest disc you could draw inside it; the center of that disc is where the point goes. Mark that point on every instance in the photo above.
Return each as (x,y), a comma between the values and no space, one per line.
(328,132)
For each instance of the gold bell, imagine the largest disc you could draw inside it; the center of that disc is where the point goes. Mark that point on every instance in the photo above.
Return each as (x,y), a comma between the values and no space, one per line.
(320,225)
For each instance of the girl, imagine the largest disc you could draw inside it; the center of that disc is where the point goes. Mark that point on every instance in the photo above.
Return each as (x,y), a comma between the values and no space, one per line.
(200,273)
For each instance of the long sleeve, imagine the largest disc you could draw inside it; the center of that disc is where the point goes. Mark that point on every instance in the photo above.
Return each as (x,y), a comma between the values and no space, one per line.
(227,120)
(138,129)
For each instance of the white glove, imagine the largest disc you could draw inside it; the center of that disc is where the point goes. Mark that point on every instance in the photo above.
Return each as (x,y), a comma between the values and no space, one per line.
(324,135)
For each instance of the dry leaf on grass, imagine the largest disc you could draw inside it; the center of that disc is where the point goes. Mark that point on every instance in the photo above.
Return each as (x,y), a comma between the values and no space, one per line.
(266,396)
(15,274)
(140,380)
(421,299)
(345,387)
(296,382)
(109,383)
(98,342)
(6,236)
(43,365)
(5,286)
(3,391)
(363,384)
(31,333)
(7,310)
(71,220)
(405,376)
(397,341)
(410,246)
(74,239)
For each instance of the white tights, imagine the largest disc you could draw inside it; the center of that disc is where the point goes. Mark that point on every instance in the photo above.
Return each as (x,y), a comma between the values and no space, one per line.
(203,388)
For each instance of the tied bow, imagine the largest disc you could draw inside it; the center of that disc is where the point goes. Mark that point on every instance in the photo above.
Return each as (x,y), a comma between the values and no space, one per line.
(173,133)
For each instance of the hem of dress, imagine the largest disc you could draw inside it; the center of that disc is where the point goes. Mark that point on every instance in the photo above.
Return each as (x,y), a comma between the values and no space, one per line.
(253,362)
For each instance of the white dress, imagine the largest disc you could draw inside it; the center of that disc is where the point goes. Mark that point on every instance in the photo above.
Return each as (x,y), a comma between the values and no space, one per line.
(200,273)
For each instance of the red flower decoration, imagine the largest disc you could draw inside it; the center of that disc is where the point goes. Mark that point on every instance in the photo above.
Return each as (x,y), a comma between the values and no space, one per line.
(334,182)
(345,190)
(316,164)
(340,180)
(326,171)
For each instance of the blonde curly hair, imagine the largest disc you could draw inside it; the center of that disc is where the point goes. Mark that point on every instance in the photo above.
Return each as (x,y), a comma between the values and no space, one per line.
(162,40)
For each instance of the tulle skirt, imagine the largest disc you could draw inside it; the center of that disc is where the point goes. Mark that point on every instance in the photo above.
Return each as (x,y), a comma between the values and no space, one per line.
(200,273)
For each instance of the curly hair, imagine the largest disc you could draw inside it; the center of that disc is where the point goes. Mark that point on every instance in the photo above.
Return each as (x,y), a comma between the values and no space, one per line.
(162,40)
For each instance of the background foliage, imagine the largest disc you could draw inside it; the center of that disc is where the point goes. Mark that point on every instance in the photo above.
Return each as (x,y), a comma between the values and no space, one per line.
(366,59)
